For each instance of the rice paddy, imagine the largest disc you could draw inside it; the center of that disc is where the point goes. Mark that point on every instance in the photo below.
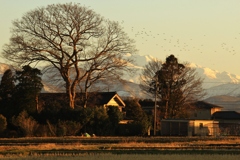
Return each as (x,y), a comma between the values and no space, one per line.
(127,148)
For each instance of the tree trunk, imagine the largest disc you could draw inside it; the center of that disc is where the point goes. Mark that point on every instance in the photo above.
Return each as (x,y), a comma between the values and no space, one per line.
(37,105)
(85,100)
(166,110)
(71,101)
(71,94)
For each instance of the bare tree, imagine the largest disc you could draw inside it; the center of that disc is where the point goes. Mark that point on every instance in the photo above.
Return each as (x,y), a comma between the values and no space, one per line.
(147,75)
(70,38)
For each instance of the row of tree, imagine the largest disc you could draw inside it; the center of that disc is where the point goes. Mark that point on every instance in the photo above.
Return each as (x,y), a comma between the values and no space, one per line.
(84,48)
(19,91)
(174,89)
(21,116)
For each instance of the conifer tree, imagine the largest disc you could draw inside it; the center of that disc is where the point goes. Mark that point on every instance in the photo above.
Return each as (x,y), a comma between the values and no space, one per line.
(177,86)
(6,91)
(27,89)
(7,85)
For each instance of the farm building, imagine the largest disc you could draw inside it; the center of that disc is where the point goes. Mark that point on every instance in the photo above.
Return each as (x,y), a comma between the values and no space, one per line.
(199,123)
(203,110)
(229,122)
(205,119)
(184,127)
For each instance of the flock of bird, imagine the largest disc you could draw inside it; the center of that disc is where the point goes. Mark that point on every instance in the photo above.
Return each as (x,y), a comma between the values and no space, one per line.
(165,42)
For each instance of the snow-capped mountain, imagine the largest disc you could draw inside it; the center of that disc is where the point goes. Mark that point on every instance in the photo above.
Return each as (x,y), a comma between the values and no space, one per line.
(215,78)
(211,77)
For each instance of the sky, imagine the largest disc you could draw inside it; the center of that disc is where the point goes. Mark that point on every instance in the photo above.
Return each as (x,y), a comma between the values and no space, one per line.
(204,32)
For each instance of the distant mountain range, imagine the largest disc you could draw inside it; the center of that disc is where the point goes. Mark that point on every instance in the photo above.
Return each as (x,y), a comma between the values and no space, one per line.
(222,88)
(211,77)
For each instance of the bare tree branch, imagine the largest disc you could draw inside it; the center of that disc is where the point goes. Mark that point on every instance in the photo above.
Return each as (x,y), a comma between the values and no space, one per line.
(70,37)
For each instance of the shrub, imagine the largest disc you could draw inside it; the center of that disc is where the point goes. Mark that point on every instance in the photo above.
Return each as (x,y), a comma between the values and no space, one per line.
(3,123)
(26,123)
(43,131)
(68,128)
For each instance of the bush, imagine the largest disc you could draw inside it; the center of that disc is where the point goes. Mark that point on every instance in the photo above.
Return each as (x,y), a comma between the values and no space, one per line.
(99,124)
(3,123)
(130,129)
(68,128)
(43,131)
(26,123)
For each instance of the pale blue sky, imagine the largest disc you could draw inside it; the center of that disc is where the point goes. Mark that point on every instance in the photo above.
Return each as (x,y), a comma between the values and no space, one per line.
(205,32)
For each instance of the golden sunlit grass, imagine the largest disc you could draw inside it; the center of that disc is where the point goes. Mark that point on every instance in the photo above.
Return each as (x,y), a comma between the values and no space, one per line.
(129,157)
(131,144)
(60,146)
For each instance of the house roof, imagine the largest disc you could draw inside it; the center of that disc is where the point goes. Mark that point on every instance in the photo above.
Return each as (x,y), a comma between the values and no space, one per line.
(227,115)
(204,105)
(103,98)
(96,98)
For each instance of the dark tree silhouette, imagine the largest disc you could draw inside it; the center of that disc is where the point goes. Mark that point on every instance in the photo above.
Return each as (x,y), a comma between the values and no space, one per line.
(7,87)
(135,112)
(29,85)
(177,85)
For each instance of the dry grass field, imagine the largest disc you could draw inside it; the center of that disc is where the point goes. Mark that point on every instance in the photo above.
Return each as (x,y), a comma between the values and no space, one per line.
(127,157)
(121,148)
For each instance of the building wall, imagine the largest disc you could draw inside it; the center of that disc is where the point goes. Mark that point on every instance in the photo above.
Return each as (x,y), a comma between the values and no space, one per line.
(189,128)
(112,102)
(205,128)
(213,110)
(174,128)
(229,127)
(200,114)
(203,113)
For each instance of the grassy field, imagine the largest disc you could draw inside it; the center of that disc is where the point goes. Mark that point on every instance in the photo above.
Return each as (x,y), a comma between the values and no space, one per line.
(121,148)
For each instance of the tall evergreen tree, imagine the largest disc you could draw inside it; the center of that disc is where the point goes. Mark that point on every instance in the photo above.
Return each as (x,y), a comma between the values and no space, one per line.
(7,85)
(135,112)
(6,90)
(176,85)
(27,89)
(114,116)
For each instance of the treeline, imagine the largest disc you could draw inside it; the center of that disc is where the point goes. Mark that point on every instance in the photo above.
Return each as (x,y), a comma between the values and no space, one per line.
(23,114)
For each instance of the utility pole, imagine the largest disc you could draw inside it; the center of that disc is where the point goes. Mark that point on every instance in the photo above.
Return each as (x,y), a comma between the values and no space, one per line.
(155,107)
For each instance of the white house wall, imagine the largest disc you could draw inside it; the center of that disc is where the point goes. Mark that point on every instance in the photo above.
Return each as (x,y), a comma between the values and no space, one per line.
(206,128)
(112,102)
